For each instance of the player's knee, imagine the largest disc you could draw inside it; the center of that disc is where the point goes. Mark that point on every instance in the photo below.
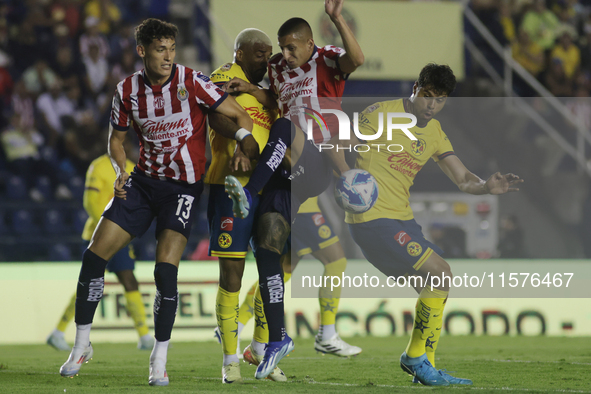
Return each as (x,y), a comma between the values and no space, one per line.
(165,276)
(272,232)
(231,271)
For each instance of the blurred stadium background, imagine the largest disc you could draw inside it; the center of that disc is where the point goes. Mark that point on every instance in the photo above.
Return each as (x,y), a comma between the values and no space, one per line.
(60,61)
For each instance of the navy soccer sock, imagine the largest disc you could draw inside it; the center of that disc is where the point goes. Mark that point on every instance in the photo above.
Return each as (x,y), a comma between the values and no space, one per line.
(280,138)
(91,283)
(166,300)
(272,291)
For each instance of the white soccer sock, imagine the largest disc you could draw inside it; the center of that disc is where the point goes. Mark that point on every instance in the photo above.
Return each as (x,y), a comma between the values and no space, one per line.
(145,337)
(230,358)
(82,335)
(160,351)
(57,333)
(258,347)
(325,332)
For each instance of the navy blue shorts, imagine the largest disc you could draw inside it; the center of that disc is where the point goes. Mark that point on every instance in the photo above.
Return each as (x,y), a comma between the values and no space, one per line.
(310,232)
(171,203)
(312,173)
(122,260)
(395,247)
(228,236)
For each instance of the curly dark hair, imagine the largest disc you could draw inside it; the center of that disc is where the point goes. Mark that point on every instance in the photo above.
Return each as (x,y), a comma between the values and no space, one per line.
(438,77)
(154,29)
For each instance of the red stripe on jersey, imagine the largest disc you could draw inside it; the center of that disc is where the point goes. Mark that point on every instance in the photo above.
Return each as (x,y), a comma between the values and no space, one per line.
(306,67)
(125,105)
(142,104)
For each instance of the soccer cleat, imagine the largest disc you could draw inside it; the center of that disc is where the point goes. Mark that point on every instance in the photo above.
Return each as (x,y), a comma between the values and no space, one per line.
(274,352)
(75,361)
(241,200)
(158,375)
(231,373)
(58,342)
(255,359)
(453,379)
(146,342)
(218,336)
(336,346)
(421,368)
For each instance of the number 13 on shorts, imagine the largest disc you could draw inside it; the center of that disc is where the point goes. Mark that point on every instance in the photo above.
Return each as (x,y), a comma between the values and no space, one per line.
(183,210)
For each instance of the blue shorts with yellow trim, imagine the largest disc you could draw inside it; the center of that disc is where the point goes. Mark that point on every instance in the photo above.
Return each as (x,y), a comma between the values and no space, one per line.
(122,260)
(311,232)
(395,247)
(228,236)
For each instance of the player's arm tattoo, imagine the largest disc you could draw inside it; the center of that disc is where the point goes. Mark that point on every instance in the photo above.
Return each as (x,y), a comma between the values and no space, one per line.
(272,232)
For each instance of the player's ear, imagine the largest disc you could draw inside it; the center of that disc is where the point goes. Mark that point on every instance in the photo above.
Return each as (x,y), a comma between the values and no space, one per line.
(239,55)
(141,51)
(415,88)
(310,43)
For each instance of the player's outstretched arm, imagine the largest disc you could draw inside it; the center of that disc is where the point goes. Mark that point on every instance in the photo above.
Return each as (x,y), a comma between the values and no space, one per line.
(231,121)
(118,159)
(354,56)
(472,184)
(263,96)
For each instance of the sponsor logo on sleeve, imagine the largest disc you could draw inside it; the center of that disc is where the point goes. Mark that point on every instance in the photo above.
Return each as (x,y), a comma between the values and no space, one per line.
(402,238)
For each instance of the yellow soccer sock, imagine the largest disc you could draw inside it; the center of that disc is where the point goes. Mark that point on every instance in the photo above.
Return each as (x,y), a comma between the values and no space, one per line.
(433,339)
(286,277)
(226,311)
(261,329)
(68,315)
(247,308)
(428,311)
(329,300)
(137,311)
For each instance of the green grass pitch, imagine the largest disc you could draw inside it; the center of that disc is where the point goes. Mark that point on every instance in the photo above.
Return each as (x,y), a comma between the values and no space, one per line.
(495,364)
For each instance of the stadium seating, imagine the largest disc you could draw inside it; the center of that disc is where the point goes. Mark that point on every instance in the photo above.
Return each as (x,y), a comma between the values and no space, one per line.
(16,188)
(76,186)
(59,252)
(23,222)
(43,185)
(3,226)
(79,220)
(54,222)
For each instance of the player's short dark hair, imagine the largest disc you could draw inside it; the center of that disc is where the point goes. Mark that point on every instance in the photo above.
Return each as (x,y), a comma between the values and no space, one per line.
(438,77)
(294,25)
(154,29)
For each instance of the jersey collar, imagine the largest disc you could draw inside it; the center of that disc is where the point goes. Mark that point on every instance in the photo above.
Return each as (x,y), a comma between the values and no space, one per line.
(147,81)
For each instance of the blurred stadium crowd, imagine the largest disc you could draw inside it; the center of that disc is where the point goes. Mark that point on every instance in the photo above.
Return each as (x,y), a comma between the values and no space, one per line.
(550,39)
(61,59)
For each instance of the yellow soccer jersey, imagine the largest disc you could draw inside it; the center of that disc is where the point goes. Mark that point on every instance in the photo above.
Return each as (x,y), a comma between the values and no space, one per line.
(98,190)
(310,206)
(222,149)
(395,171)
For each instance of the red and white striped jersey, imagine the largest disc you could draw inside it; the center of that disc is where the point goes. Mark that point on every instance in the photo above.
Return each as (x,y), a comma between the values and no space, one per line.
(170,121)
(304,91)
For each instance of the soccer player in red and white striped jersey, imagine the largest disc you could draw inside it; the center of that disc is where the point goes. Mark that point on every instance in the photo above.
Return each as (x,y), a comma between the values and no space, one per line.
(167,104)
